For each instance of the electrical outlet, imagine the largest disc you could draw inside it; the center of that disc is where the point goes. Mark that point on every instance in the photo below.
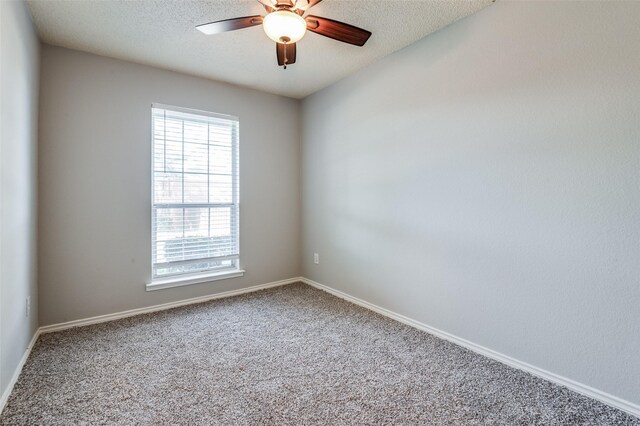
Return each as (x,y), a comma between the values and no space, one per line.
(316,258)
(28,307)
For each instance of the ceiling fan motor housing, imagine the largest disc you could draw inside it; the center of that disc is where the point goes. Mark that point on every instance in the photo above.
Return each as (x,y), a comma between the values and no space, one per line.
(284,4)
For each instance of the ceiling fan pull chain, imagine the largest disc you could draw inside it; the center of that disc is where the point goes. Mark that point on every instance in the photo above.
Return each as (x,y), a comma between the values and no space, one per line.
(285,55)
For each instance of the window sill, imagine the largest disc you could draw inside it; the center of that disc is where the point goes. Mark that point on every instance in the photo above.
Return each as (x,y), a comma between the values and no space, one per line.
(193,279)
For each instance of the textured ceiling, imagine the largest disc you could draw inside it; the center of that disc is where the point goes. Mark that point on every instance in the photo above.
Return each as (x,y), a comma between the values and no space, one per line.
(162,33)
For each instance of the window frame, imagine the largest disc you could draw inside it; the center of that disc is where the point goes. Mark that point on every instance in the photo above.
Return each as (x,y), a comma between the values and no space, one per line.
(212,274)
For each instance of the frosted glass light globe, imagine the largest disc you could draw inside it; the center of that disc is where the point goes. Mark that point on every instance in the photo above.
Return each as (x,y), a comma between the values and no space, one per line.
(284,26)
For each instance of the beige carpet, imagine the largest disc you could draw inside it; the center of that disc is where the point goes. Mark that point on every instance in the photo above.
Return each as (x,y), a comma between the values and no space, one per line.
(291,355)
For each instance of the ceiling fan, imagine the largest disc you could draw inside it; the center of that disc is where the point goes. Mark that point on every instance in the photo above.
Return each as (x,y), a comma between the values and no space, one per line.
(285,24)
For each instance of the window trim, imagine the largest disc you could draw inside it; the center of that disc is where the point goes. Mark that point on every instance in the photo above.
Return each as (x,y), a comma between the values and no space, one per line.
(182,279)
(189,279)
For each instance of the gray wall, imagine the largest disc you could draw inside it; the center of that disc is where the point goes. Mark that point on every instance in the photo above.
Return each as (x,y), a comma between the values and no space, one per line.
(484,181)
(19,55)
(95,172)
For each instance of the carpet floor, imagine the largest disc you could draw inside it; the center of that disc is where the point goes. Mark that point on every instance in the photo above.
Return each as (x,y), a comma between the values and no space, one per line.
(291,355)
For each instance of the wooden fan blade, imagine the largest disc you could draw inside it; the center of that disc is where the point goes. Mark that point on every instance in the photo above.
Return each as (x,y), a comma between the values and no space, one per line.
(286,53)
(230,24)
(337,30)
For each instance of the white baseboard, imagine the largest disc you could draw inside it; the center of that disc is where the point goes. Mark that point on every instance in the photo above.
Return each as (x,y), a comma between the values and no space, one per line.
(596,394)
(162,307)
(580,388)
(18,370)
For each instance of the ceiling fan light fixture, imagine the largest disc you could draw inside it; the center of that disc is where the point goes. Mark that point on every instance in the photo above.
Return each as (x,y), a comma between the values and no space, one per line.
(284,26)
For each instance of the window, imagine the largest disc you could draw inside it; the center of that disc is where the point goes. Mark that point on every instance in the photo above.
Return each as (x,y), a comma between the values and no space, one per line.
(195,192)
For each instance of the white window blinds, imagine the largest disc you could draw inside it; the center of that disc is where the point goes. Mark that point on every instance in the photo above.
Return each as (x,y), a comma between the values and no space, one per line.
(195,211)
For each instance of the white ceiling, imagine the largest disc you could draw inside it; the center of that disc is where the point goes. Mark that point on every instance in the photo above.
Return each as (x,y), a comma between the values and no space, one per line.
(162,33)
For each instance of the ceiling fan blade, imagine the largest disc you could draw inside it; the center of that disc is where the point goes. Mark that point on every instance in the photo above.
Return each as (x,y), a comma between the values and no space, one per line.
(286,53)
(229,24)
(269,5)
(337,30)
